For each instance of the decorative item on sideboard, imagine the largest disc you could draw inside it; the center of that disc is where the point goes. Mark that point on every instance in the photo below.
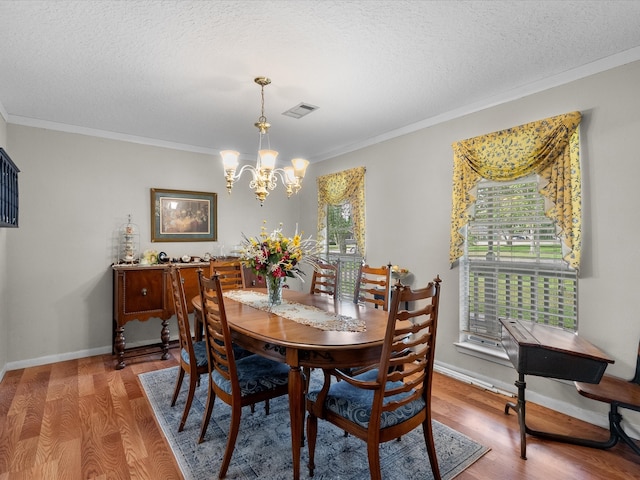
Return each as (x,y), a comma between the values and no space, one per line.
(129,243)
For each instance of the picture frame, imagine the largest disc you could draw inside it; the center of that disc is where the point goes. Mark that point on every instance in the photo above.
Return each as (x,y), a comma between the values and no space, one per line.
(183,216)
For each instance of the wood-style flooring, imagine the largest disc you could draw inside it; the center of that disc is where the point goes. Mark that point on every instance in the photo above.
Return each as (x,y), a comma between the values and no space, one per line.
(82,419)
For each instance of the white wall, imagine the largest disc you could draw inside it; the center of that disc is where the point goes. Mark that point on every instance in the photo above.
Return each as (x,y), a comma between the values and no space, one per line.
(4,317)
(408,200)
(76,191)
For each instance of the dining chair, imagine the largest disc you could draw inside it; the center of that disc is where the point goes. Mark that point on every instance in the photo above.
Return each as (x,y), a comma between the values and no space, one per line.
(393,397)
(373,286)
(324,282)
(231,274)
(193,355)
(325,279)
(236,382)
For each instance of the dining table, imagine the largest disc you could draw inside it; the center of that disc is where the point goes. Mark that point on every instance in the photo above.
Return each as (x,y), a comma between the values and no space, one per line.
(352,337)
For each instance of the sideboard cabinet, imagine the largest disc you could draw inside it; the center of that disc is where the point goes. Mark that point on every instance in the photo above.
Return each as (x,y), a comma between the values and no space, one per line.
(141,292)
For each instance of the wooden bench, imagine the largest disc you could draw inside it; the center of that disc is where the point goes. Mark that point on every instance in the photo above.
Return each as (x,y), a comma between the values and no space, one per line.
(618,393)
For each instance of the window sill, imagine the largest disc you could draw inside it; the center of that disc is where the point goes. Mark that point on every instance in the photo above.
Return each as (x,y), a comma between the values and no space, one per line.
(485,353)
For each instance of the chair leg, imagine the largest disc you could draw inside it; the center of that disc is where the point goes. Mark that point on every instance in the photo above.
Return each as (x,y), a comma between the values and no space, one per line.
(312,433)
(266,407)
(187,407)
(231,440)
(373,454)
(427,431)
(211,399)
(176,391)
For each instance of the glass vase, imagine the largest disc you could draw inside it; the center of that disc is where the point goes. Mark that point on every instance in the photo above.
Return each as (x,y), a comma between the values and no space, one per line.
(274,290)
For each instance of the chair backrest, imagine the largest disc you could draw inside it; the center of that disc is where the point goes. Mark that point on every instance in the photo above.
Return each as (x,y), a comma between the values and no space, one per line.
(218,336)
(231,274)
(180,307)
(325,278)
(406,361)
(372,286)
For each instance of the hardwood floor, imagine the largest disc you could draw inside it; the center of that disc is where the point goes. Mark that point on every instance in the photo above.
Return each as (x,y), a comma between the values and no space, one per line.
(82,419)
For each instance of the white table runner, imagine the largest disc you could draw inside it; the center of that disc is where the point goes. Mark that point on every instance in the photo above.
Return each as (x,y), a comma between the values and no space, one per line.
(304,314)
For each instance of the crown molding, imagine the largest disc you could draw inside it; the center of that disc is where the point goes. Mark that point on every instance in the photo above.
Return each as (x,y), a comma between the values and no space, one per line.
(93,132)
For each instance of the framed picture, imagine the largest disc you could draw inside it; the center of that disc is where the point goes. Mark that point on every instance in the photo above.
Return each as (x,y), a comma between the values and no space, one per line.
(183,216)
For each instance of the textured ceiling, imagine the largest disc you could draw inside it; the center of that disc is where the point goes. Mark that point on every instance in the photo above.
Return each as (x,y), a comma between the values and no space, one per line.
(180,73)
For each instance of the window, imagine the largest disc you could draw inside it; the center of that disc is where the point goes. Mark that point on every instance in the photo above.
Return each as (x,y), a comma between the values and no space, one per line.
(516,227)
(8,191)
(341,247)
(341,223)
(513,264)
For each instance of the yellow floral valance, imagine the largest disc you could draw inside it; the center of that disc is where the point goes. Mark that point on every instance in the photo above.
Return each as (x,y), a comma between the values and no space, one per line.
(549,148)
(336,188)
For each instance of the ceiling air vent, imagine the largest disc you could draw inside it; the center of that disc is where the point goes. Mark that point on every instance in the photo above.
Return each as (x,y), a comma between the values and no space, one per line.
(300,110)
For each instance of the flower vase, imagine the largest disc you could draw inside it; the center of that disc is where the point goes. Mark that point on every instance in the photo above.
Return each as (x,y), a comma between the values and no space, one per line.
(274,290)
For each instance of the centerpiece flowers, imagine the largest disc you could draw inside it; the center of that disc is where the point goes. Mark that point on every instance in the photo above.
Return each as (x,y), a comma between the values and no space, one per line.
(274,257)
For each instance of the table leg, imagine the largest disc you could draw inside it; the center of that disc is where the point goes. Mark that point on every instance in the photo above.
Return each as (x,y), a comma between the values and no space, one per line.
(197,325)
(164,338)
(119,347)
(296,412)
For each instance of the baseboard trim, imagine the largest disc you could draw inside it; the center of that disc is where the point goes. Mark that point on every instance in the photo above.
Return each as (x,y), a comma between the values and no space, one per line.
(566,408)
(61,357)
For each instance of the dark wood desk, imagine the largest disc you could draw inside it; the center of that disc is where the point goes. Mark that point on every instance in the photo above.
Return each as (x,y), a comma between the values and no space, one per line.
(550,352)
(301,346)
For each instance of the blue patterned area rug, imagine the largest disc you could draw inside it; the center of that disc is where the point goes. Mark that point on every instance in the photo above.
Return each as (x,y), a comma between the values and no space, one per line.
(263,448)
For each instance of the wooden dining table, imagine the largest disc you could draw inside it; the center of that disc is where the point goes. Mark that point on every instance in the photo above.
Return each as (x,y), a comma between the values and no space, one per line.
(301,346)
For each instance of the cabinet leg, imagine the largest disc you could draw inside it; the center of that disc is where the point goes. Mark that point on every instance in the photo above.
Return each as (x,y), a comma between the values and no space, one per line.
(165,337)
(119,347)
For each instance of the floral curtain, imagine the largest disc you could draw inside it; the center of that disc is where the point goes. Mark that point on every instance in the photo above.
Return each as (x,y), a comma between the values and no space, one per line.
(336,188)
(549,148)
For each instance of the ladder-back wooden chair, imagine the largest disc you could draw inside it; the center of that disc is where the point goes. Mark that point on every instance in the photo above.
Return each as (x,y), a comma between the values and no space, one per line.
(325,279)
(231,278)
(373,286)
(193,355)
(231,274)
(236,382)
(393,397)
(618,393)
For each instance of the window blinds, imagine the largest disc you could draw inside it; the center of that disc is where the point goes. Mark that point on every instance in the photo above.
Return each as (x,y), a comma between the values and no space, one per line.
(513,263)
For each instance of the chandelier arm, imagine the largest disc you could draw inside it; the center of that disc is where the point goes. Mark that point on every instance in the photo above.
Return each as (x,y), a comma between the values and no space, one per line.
(244,168)
(281,174)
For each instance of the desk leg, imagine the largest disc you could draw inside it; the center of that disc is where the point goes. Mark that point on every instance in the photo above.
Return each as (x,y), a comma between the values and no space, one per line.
(520,408)
(296,412)
(616,431)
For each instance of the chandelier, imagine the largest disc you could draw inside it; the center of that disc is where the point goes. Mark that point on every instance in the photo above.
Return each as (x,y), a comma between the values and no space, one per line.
(265,175)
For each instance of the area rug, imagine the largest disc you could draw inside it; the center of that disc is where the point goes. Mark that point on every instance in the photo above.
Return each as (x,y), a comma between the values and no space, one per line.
(263,448)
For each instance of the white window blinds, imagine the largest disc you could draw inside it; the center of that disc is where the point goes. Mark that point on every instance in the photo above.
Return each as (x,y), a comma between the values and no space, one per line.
(513,266)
